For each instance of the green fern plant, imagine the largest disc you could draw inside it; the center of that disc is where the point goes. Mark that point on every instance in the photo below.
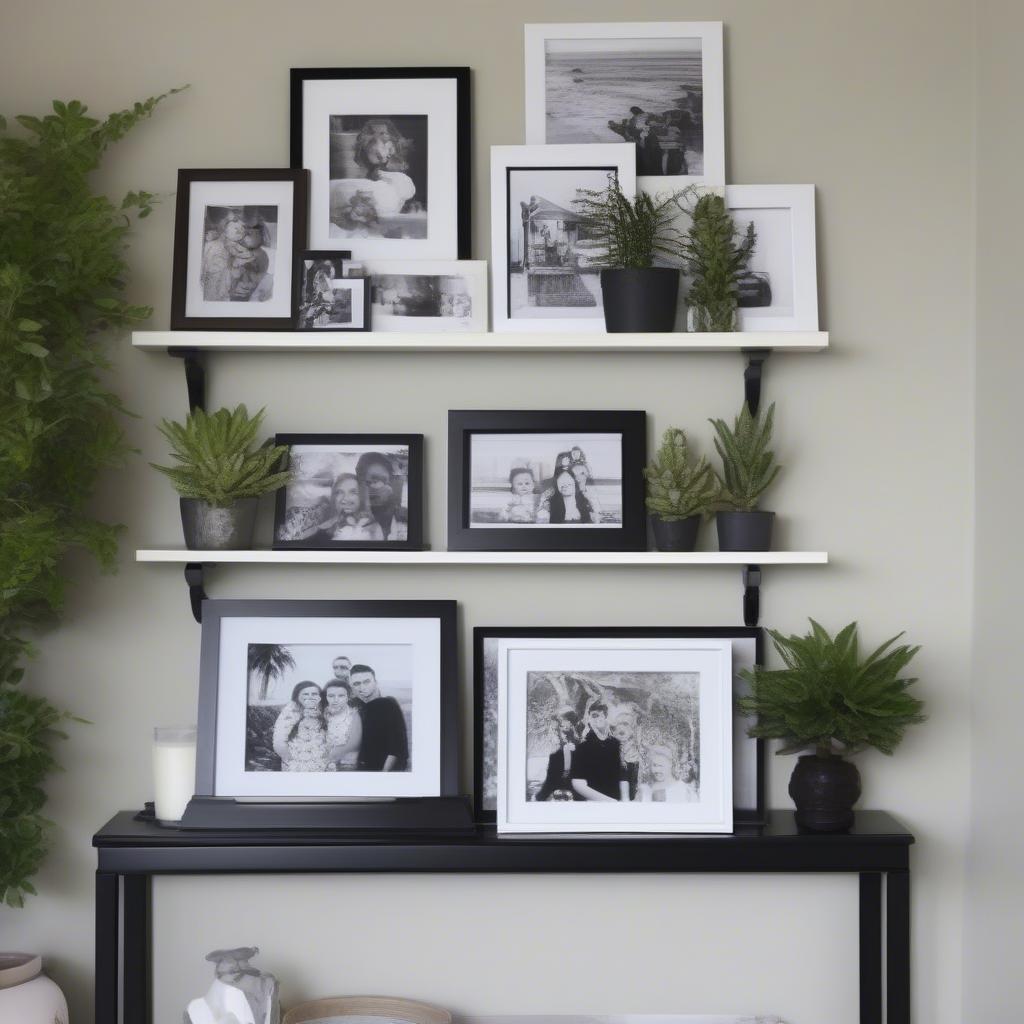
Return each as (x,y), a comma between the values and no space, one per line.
(215,459)
(748,464)
(676,487)
(828,698)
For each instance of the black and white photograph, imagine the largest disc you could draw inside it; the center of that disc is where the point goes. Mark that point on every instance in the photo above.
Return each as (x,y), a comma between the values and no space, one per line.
(240,242)
(351,491)
(321,699)
(422,296)
(328,300)
(388,153)
(657,86)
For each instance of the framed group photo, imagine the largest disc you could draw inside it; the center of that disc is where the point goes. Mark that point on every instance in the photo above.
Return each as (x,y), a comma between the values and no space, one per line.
(326,298)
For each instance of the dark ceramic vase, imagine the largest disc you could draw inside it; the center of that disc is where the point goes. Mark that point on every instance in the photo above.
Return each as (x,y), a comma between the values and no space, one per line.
(744,531)
(209,528)
(640,301)
(824,790)
(676,535)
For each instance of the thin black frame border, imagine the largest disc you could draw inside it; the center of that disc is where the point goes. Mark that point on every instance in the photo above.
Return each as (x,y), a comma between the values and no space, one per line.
(446,613)
(632,425)
(414,483)
(341,256)
(741,815)
(179,275)
(463,129)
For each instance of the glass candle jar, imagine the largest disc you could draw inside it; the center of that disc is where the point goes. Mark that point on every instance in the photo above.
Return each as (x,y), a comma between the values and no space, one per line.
(174,771)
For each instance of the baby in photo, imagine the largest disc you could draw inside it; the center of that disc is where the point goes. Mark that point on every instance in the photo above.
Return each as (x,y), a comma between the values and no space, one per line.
(522,506)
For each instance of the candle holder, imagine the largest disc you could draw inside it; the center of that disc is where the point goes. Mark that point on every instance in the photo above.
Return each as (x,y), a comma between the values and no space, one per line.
(174,771)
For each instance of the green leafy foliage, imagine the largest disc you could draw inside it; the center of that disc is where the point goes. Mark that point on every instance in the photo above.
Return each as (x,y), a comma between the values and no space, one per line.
(748,464)
(215,460)
(62,275)
(678,488)
(828,698)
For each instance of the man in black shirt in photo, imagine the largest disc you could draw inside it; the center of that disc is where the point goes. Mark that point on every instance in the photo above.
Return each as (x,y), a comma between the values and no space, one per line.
(385,742)
(597,770)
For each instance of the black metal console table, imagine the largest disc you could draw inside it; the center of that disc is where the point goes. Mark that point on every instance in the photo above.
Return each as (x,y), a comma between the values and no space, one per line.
(130,852)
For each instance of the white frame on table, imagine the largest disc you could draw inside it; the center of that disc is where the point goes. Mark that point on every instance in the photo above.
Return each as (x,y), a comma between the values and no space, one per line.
(475,273)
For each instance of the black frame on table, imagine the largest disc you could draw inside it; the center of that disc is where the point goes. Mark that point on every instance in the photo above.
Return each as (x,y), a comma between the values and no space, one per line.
(341,256)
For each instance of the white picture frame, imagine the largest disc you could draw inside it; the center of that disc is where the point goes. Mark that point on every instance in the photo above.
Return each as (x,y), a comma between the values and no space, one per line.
(522,174)
(785,256)
(551,91)
(466,278)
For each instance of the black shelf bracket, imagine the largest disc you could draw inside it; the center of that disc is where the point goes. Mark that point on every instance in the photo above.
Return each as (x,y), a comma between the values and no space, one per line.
(195,376)
(196,594)
(752,376)
(751,594)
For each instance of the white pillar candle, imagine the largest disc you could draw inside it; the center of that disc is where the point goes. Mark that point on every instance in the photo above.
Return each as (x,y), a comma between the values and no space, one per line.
(174,771)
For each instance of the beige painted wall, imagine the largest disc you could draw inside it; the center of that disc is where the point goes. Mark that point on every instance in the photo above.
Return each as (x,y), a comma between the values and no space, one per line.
(870,100)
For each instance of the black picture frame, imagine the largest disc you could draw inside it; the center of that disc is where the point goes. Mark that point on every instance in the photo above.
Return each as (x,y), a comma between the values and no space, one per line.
(334,256)
(463,127)
(631,425)
(180,321)
(215,611)
(414,490)
(755,815)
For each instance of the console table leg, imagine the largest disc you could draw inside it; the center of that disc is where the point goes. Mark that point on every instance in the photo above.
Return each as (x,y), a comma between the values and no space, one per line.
(137,1003)
(870,947)
(897,944)
(107,914)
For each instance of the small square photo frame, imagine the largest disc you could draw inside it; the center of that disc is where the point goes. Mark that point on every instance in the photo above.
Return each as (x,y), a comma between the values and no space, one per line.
(326,298)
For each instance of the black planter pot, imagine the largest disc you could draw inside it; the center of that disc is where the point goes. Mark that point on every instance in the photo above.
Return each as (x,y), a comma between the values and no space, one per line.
(677,535)
(744,531)
(640,301)
(208,528)
(824,790)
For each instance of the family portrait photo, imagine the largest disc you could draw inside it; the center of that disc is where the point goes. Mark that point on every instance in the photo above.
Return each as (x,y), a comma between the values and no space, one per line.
(238,250)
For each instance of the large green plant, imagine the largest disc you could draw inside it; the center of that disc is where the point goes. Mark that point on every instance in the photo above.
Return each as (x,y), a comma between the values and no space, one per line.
(62,275)
(830,700)
(748,464)
(678,487)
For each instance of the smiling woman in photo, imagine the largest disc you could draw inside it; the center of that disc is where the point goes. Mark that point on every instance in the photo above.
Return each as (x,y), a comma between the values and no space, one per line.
(300,733)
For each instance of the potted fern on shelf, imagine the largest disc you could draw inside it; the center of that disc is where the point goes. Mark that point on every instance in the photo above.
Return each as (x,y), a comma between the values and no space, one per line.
(830,701)
(748,470)
(219,475)
(679,493)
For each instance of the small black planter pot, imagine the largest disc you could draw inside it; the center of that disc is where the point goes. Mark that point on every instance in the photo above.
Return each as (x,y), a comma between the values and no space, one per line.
(677,535)
(208,528)
(640,301)
(824,790)
(744,531)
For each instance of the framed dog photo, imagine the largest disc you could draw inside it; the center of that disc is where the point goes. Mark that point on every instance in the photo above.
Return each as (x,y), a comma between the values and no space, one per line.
(328,699)
(351,491)
(546,481)
(327,298)
(236,234)
(428,296)
(388,152)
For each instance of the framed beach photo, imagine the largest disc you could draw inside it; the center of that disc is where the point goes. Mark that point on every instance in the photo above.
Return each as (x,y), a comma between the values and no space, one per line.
(629,724)
(779,292)
(388,152)
(351,492)
(656,85)
(428,296)
(327,699)
(614,735)
(327,299)
(544,260)
(236,235)
(546,481)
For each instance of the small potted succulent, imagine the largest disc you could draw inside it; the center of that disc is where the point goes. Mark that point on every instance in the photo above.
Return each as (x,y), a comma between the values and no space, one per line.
(829,700)
(219,475)
(748,470)
(679,493)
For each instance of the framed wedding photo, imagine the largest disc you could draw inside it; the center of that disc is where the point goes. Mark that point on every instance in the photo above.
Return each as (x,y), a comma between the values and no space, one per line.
(656,85)
(388,152)
(351,492)
(546,481)
(428,296)
(326,298)
(328,699)
(236,235)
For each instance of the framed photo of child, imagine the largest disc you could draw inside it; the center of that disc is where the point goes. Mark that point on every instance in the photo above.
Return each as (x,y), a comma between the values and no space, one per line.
(351,491)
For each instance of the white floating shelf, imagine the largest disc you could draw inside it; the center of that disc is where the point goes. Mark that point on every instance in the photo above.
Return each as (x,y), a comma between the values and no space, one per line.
(338,341)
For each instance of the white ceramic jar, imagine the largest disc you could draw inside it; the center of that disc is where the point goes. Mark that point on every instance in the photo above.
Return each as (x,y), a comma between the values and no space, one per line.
(26,994)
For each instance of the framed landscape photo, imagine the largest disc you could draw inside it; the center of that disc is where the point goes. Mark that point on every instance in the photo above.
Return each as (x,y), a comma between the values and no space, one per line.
(656,85)
(545,273)
(630,724)
(327,299)
(236,235)
(435,296)
(614,735)
(546,481)
(328,700)
(779,292)
(388,153)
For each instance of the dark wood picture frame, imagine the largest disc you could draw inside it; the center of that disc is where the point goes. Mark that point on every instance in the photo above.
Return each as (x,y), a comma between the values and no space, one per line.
(741,815)
(334,256)
(414,491)
(463,128)
(631,425)
(180,321)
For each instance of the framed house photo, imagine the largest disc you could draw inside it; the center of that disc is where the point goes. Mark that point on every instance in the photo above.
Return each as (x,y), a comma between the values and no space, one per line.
(630,723)
(780,289)
(236,235)
(543,259)
(428,296)
(614,735)
(388,152)
(327,700)
(326,298)
(351,491)
(656,85)
(546,481)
